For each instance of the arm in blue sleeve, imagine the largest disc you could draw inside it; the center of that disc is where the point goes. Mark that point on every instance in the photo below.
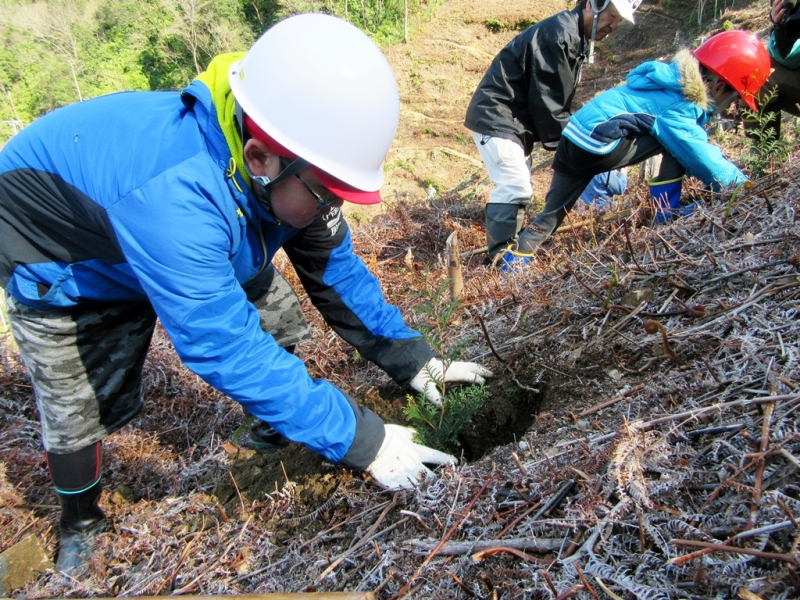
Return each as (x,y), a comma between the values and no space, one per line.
(617,182)
(680,132)
(178,242)
(351,301)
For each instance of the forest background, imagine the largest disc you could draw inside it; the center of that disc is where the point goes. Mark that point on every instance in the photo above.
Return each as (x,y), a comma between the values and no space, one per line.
(56,52)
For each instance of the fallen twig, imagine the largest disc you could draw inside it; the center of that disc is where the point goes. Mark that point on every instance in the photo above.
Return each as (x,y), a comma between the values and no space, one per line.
(407,587)
(479,556)
(365,539)
(790,558)
(613,400)
(459,548)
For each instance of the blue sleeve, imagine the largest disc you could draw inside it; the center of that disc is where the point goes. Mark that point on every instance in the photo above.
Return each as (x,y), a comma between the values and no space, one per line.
(181,256)
(679,130)
(351,301)
(604,186)
(617,182)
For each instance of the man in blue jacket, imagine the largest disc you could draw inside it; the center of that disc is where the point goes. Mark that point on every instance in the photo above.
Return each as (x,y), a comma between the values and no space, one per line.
(661,109)
(142,205)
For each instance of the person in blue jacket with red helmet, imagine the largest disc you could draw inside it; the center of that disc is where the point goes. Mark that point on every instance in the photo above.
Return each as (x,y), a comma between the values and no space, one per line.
(661,109)
(139,206)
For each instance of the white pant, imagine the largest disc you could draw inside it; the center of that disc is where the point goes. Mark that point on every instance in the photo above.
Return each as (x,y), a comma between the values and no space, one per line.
(507,166)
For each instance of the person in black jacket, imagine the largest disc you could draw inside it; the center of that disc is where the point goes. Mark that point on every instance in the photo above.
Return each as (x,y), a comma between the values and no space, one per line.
(782,90)
(526,97)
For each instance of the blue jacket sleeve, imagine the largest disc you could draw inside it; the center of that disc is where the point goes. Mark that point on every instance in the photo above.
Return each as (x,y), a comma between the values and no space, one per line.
(680,131)
(182,260)
(351,301)
(617,182)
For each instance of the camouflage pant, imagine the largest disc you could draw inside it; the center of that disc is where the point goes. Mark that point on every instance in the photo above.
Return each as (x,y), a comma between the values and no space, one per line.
(278,306)
(86,366)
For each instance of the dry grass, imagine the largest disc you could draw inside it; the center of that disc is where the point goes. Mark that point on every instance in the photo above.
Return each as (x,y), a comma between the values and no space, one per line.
(684,485)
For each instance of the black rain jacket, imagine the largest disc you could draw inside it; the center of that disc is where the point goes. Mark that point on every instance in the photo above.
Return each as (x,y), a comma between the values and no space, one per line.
(526,94)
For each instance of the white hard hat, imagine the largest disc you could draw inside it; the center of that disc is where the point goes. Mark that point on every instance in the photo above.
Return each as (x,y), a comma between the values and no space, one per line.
(626,8)
(321,89)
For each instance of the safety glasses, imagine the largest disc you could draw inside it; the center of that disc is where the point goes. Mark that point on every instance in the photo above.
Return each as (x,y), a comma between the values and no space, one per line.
(322,204)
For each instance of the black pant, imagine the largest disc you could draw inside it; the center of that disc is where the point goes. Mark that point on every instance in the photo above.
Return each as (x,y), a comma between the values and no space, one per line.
(574,168)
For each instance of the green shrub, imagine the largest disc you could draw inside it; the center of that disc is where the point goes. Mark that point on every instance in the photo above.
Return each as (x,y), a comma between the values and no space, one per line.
(438,427)
(766,149)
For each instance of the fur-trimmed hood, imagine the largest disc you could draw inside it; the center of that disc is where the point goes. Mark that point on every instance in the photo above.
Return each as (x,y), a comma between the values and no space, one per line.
(681,75)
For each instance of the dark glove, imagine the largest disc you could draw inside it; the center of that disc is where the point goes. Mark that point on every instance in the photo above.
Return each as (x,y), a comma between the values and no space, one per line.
(550,146)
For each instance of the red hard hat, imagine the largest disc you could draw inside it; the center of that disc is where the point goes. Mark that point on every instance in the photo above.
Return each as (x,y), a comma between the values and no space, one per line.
(738,58)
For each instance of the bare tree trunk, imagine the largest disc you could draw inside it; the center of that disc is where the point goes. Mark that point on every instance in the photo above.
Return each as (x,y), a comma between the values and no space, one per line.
(75,82)
(194,44)
(405,21)
(7,94)
(59,36)
(190,27)
(454,267)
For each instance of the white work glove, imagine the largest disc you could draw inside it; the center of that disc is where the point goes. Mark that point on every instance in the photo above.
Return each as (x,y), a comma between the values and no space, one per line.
(457,372)
(400,462)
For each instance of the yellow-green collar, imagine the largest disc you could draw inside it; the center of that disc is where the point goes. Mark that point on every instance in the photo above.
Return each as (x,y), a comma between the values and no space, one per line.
(215,77)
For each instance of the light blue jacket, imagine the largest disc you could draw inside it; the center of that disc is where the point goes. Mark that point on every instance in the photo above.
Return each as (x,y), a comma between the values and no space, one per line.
(666,100)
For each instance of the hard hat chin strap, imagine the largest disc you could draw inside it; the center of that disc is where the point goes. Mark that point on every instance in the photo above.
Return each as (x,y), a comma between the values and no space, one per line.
(719,108)
(597,10)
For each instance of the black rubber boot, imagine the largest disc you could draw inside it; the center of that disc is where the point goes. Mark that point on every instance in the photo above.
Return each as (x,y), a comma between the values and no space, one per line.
(503,222)
(530,239)
(81,522)
(264,437)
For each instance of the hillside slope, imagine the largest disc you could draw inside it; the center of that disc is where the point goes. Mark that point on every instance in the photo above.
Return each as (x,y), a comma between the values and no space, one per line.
(437,74)
(639,439)
(440,68)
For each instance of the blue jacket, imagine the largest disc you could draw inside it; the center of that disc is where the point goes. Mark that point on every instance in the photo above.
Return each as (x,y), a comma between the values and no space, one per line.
(130,197)
(666,100)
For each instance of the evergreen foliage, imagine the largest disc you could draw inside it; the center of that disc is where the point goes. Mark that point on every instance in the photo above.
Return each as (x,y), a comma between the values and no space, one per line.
(440,426)
(56,52)
(767,149)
